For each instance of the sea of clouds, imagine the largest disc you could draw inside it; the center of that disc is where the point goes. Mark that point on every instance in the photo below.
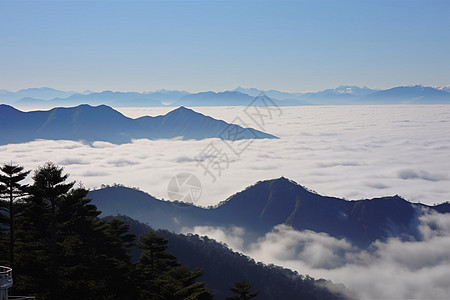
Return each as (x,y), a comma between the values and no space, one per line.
(392,269)
(352,152)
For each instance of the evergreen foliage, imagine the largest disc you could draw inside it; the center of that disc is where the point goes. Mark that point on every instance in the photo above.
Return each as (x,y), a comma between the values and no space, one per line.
(161,276)
(222,268)
(10,190)
(64,251)
(242,289)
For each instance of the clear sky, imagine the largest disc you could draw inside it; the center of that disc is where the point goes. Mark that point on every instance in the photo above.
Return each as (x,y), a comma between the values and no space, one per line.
(219,45)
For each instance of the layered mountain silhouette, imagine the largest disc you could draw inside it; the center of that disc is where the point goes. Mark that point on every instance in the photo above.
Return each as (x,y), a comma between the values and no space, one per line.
(216,99)
(268,203)
(102,123)
(417,94)
(342,95)
(117,99)
(43,93)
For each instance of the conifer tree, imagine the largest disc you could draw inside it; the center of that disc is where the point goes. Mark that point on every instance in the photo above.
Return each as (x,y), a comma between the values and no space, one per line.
(11,190)
(186,286)
(113,264)
(67,252)
(242,289)
(50,187)
(161,276)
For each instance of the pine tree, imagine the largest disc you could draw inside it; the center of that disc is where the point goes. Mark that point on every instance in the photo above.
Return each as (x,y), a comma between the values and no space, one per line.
(153,263)
(78,232)
(51,187)
(113,262)
(154,259)
(185,285)
(161,276)
(242,289)
(11,190)
(65,250)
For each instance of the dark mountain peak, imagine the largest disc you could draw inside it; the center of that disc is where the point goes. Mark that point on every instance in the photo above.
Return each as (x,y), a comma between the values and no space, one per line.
(183,111)
(7,108)
(99,109)
(443,207)
(103,123)
(8,113)
(286,183)
(273,194)
(283,180)
(397,198)
(86,106)
(119,190)
(393,203)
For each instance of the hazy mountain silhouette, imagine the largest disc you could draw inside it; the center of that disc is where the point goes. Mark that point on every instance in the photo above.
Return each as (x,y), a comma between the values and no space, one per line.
(215,99)
(43,93)
(342,95)
(268,203)
(118,99)
(269,93)
(417,94)
(102,123)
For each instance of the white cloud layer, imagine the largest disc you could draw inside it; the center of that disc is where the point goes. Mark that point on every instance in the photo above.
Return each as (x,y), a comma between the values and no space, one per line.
(347,151)
(389,270)
(233,236)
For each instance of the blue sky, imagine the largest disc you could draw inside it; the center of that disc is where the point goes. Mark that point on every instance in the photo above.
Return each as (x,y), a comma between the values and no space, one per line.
(219,45)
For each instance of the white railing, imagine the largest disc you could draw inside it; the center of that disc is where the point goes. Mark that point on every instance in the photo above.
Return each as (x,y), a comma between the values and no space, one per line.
(6,280)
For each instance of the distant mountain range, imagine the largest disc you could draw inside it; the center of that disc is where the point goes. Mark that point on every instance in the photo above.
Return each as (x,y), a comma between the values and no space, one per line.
(342,95)
(43,93)
(268,203)
(414,94)
(102,123)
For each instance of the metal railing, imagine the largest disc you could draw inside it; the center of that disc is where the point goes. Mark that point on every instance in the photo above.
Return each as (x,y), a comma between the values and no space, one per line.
(6,279)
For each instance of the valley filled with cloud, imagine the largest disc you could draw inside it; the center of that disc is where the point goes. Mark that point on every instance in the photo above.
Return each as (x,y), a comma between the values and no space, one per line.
(391,269)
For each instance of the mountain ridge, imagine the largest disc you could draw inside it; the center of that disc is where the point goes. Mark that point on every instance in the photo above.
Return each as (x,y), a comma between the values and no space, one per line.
(266,204)
(103,123)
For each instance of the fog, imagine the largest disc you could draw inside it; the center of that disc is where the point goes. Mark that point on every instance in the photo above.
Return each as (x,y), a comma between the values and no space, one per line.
(353,152)
(392,269)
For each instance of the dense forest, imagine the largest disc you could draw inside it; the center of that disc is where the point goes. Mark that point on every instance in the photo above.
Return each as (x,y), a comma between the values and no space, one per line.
(216,259)
(59,248)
